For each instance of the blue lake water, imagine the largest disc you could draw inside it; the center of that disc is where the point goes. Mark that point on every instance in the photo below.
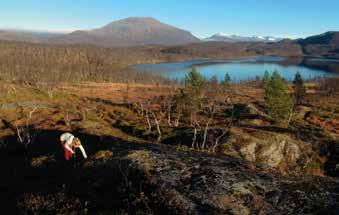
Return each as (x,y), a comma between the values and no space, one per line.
(246,68)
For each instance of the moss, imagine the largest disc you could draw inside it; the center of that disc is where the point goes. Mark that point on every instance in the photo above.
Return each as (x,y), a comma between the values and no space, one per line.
(314,168)
(101,156)
(232,204)
(241,189)
(168,132)
(42,161)
(283,167)
(178,136)
(133,129)
(142,158)
(57,203)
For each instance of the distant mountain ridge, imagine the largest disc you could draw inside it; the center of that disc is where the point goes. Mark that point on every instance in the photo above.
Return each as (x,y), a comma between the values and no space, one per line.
(139,31)
(328,38)
(26,35)
(326,44)
(132,31)
(221,37)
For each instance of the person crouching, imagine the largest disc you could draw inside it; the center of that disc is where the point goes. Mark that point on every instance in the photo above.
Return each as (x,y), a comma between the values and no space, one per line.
(70,143)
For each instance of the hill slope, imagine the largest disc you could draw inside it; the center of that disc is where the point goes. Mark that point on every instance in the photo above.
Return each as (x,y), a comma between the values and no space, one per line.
(26,36)
(130,32)
(328,38)
(326,44)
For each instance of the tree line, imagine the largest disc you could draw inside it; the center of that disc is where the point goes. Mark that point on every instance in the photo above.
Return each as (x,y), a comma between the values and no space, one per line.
(31,63)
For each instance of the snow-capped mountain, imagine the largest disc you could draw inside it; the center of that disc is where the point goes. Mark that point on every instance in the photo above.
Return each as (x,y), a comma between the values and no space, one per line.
(221,37)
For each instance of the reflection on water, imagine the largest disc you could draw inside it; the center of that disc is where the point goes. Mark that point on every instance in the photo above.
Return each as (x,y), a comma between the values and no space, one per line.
(247,68)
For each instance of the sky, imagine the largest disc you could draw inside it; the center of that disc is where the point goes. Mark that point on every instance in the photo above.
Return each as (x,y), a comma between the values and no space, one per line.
(282,18)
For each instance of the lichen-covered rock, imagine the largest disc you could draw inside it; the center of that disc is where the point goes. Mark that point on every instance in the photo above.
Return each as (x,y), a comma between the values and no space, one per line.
(267,149)
(281,149)
(156,179)
(248,151)
(194,183)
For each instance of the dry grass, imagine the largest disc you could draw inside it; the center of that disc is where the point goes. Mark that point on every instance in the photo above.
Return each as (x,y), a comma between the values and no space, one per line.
(115,92)
(41,161)
(58,203)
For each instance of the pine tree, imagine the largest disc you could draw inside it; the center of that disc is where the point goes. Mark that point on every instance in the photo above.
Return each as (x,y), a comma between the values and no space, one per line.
(299,88)
(227,79)
(266,78)
(194,84)
(225,84)
(278,100)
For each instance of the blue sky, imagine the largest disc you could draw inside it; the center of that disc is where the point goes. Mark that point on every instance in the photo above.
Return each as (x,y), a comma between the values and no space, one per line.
(292,18)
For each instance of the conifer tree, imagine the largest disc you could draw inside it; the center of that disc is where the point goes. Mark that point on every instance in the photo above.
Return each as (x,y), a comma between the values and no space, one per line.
(225,84)
(278,100)
(266,78)
(299,88)
(194,84)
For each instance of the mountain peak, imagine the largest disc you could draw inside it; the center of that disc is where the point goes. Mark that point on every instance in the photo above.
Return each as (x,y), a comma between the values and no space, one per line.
(147,18)
(220,34)
(133,19)
(133,31)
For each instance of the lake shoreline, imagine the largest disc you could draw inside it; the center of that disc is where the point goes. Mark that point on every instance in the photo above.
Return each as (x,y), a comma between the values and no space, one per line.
(247,68)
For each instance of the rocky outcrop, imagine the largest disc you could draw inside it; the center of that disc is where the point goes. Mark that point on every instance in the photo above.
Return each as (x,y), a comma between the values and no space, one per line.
(129,178)
(267,149)
(195,183)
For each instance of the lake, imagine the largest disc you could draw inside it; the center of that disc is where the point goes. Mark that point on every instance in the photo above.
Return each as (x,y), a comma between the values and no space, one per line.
(246,68)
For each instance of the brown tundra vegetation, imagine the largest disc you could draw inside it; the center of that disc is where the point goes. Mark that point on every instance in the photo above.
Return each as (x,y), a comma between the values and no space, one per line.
(156,146)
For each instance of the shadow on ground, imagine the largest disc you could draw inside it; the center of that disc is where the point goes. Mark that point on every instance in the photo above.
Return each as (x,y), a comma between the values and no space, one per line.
(32,176)
(128,178)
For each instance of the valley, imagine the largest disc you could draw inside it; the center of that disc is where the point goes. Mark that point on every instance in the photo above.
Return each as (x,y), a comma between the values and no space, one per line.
(171,123)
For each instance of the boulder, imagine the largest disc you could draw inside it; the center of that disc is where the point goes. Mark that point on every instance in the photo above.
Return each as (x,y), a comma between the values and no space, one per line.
(268,149)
